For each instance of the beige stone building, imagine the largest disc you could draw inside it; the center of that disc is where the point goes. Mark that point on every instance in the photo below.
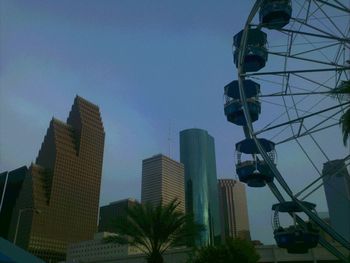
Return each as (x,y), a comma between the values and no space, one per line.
(97,249)
(59,201)
(233,209)
(162,181)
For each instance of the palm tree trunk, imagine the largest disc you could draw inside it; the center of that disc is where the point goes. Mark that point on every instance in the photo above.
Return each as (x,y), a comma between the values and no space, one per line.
(155,257)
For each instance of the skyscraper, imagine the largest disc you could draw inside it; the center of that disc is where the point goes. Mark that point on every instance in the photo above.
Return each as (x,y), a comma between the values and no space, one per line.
(59,200)
(233,209)
(197,153)
(162,180)
(12,187)
(336,180)
(112,212)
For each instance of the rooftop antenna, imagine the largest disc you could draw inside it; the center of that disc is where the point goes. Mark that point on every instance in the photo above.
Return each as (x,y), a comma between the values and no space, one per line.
(169,139)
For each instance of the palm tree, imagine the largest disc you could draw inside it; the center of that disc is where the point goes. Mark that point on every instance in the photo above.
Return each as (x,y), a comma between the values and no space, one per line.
(154,229)
(343,91)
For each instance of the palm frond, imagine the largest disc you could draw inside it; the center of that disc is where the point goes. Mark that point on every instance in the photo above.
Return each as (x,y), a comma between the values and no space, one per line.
(345,123)
(342,91)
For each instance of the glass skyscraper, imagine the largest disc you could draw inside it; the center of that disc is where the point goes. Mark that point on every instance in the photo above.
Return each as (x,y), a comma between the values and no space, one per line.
(197,153)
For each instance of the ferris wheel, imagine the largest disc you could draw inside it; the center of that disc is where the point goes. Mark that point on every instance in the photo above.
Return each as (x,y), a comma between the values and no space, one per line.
(291,56)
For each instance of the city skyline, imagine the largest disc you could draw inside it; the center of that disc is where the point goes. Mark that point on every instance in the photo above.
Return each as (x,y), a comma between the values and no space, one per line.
(153,68)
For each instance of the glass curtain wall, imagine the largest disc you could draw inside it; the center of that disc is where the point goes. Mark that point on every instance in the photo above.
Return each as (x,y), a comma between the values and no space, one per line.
(197,153)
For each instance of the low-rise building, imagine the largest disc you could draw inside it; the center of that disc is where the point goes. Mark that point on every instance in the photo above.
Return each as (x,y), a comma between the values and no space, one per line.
(268,254)
(98,249)
(109,214)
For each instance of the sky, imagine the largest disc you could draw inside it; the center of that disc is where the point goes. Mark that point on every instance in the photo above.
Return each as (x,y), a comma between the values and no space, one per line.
(153,67)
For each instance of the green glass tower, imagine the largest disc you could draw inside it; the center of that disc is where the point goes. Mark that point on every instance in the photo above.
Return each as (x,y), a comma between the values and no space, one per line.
(197,153)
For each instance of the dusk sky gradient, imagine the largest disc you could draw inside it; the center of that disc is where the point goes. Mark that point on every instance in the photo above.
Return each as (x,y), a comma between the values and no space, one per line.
(153,67)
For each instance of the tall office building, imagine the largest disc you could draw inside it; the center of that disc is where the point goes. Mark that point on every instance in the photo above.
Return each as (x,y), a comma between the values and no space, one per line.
(197,153)
(59,200)
(112,212)
(162,181)
(336,181)
(233,209)
(10,185)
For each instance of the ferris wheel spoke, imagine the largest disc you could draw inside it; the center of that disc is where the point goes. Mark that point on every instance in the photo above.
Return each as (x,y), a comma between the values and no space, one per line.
(285,112)
(317,145)
(314,91)
(304,59)
(305,43)
(315,28)
(340,6)
(308,14)
(325,180)
(297,120)
(280,94)
(319,19)
(319,178)
(294,71)
(328,19)
(288,108)
(302,125)
(326,36)
(308,157)
(316,82)
(311,192)
(296,87)
(315,49)
(311,130)
(306,133)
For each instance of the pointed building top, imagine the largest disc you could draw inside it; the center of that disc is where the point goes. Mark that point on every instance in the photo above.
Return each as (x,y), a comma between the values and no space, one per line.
(81,99)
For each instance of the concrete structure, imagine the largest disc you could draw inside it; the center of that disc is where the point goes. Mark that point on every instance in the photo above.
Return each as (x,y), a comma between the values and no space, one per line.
(336,180)
(97,249)
(233,209)
(12,187)
(268,254)
(112,212)
(162,181)
(197,153)
(64,184)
